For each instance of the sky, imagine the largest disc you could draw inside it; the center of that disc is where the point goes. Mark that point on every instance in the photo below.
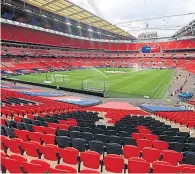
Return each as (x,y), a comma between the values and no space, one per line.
(117,11)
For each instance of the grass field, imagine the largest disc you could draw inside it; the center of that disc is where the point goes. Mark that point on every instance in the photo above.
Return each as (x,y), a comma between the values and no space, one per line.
(123,83)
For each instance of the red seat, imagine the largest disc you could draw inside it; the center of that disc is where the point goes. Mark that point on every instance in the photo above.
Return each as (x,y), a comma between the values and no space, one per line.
(137,136)
(53,125)
(141,127)
(141,143)
(48,138)
(52,170)
(151,137)
(22,134)
(13,166)
(150,154)
(40,129)
(3,154)
(34,168)
(86,171)
(145,131)
(3,138)
(63,126)
(49,152)
(18,119)
(40,162)
(50,130)
(35,136)
(13,144)
(187,168)
(31,148)
(18,158)
(160,145)
(66,168)
(114,163)
(165,168)
(131,151)
(90,159)
(69,155)
(137,165)
(172,156)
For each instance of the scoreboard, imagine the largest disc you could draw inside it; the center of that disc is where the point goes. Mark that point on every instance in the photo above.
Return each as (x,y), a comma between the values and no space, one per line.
(149,49)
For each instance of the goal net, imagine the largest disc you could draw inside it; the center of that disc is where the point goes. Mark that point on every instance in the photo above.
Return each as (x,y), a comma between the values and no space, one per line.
(59,78)
(95,85)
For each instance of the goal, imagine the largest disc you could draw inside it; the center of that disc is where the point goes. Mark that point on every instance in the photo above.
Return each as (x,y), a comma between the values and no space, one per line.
(59,78)
(95,85)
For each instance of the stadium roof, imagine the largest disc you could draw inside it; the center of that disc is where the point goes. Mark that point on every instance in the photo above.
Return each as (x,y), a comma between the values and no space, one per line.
(188,30)
(68,9)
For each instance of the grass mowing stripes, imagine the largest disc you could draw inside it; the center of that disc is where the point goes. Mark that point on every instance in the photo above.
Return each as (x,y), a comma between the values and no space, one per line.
(123,82)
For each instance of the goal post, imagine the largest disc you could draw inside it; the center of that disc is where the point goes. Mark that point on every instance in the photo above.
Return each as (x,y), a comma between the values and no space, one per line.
(59,78)
(95,85)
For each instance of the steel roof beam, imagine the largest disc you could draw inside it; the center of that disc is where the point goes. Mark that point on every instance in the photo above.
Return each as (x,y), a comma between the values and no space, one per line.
(75,13)
(48,3)
(62,9)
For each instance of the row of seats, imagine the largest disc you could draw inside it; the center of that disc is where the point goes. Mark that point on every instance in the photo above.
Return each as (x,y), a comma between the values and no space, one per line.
(90,159)
(186,118)
(114,145)
(26,35)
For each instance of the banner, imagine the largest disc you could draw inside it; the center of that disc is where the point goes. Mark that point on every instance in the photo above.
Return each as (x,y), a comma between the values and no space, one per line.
(149,49)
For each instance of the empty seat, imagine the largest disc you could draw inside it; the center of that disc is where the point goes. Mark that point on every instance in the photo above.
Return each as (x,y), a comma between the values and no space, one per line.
(69,155)
(166,138)
(137,165)
(74,134)
(113,148)
(190,159)
(179,139)
(11,165)
(34,167)
(67,169)
(35,136)
(48,138)
(179,147)
(98,131)
(137,136)
(31,148)
(50,154)
(90,159)
(151,137)
(63,141)
(80,144)
(124,134)
(101,137)
(141,143)
(86,129)
(86,171)
(114,139)
(13,145)
(165,168)
(61,132)
(160,145)
(131,151)
(128,141)
(114,163)
(87,136)
(96,146)
(190,147)
(172,156)
(50,130)
(150,154)
(110,132)
(22,134)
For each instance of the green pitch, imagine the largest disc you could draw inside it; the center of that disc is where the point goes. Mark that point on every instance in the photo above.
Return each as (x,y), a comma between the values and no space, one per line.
(122,82)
